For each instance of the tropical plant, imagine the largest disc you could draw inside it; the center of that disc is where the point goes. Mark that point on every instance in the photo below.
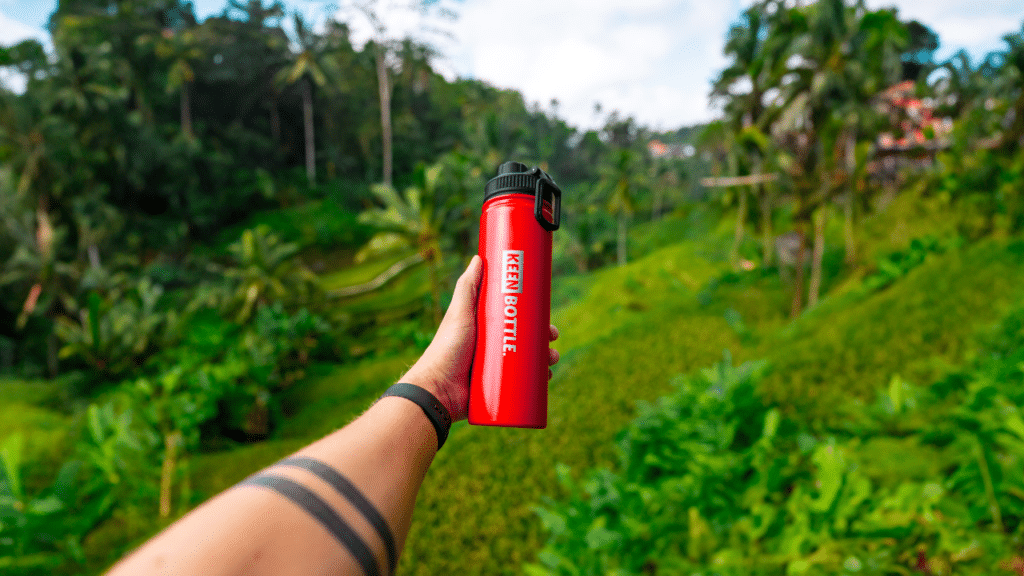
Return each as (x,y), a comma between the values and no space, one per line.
(39,530)
(711,477)
(263,270)
(622,179)
(307,70)
(413,219)
(115,334)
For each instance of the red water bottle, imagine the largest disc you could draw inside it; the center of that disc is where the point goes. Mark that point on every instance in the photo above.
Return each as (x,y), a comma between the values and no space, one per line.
(509,385)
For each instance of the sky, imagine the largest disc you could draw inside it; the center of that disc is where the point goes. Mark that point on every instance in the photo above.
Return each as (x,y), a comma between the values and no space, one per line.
(650,59)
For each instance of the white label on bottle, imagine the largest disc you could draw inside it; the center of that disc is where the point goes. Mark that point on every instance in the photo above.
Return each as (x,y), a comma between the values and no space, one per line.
(512,272)
(511,329)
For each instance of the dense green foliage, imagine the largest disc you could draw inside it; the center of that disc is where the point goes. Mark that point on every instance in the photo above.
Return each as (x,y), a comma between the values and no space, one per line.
(712,479)
(220,240)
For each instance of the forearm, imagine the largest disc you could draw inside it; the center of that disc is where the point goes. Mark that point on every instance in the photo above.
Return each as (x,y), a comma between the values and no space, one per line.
(343,504)
(255,529)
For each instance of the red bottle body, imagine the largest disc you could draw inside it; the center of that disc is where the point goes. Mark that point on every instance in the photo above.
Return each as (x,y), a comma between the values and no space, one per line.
(509,384)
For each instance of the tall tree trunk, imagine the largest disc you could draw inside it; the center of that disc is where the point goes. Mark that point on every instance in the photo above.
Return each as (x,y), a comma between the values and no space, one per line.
(851,188)
(622,238)
(656,204)
(307,116)
(186,111)
(94,256)
(384,89)
(814,290)
(741,218)
(171,441)
(848,230)
(798,287)
(767,239)
(275,121)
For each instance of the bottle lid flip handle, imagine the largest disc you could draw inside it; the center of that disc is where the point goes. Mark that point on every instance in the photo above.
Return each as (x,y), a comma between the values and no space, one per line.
(543,180)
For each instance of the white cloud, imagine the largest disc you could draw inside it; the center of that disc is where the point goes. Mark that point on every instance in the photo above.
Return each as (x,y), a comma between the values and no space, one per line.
(652,59)
(12,32)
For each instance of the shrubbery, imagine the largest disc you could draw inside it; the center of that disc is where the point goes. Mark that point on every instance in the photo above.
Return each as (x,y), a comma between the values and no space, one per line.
(166,373)
(712,480)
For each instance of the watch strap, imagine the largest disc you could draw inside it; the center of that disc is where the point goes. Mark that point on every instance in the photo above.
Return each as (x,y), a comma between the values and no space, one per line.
(431,406)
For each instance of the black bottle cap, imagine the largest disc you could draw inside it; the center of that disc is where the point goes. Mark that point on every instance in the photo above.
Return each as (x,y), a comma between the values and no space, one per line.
(512,166)
(516,178)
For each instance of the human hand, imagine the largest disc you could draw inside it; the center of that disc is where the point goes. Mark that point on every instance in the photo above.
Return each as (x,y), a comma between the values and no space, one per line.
(444,368)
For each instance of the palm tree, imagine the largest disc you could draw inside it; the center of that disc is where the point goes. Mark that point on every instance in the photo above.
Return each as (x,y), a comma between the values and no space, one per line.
(758,52)
(413,219)
(757,61)
(961,85)
(306,69)
(386,47)
(382,48)
(620,182)
(845,55)
(263,271)
(181,49)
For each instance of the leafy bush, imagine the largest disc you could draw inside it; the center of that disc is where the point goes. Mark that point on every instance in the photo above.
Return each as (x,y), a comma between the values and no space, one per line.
(986,186)
(711,480)
(41,530)
(262,272)
(116,334)
(899,263)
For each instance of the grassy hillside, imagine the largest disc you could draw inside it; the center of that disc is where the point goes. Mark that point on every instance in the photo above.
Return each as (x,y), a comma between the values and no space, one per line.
(625,336)
(917,328)
(30,409)
(626,333)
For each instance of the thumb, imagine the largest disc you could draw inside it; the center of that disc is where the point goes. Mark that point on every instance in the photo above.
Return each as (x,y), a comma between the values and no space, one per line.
(464,299)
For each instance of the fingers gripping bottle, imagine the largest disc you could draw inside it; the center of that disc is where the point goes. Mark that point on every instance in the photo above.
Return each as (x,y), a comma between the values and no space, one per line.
(509,384)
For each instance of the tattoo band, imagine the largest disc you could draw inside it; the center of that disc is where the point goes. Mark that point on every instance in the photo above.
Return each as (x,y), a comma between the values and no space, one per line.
(344,487)
(323,513)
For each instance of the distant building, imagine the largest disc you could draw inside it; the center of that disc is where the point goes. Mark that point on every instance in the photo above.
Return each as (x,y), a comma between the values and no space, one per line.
(659,149)
(918,134)
(917,128)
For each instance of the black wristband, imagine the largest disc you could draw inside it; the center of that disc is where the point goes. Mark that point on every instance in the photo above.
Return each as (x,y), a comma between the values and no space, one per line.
(431,406)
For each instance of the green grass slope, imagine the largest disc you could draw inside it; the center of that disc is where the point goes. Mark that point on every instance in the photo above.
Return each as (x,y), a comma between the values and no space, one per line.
(360,273)
(625,334)
(917,328)
(626,331)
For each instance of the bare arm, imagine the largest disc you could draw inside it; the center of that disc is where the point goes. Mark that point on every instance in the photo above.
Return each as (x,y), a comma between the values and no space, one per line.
(341,505)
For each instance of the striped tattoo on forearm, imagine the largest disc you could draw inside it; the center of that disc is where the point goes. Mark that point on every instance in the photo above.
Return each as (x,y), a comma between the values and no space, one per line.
(327,516)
